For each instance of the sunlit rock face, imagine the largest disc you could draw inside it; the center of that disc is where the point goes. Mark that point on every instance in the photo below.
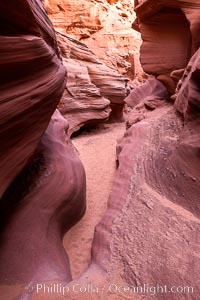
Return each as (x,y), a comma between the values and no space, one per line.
(94,38)
(42,190)
(105,26)
(92,88)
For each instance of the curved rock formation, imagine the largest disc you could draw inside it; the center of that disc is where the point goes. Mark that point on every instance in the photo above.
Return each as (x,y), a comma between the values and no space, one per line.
(105,27)
(148,240)
(39,207)
(169,31)
(32,82)
(151,88)
(42,179)
(149,236)
(91,86)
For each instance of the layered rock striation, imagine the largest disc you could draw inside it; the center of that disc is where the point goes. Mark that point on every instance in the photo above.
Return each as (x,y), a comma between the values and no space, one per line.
(150,231)
(44,201)
(42,179)
(94,92)
(105,27)
(169,31)
(148,238)
(32,81)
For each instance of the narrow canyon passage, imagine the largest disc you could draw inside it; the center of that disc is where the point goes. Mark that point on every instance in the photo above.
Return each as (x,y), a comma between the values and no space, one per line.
(71,65)
(97,151)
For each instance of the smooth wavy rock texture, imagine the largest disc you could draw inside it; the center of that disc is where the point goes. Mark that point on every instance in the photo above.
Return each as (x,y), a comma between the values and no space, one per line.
(170,36)
(42,179)
(147,243)
(39,207)
(32,81)
(151,88)
(150,233)
(91,86)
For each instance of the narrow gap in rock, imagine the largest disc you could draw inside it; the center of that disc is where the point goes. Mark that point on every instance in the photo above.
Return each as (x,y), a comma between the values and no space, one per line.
(97,150)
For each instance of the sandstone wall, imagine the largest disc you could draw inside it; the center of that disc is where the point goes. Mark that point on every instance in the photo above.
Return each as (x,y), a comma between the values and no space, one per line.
(150,232)
(42,191)
(170,36)
(92,88)
(105,26)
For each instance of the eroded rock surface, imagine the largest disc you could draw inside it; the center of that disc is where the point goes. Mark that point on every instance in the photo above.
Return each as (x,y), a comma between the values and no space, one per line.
(32,82)
(42,179)
(150,233)
(39,207)
(170,36)
(105,26)
(92,88)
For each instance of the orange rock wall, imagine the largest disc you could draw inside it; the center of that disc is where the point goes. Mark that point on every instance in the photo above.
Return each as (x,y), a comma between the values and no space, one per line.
(105,26)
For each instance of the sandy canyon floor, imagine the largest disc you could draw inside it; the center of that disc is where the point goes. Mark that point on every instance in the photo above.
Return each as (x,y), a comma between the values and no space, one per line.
(97,150)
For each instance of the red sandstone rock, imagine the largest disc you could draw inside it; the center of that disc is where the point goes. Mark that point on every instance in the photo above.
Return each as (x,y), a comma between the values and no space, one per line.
(147,96)
(32,82)
(105,27)
(150,233)
(166,41)
(91,86)
(38,208)
(169,31)
(151,88)
(187,101)
(42,179)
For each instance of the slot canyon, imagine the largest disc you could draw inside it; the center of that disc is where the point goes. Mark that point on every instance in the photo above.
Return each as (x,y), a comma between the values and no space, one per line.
(100,150)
